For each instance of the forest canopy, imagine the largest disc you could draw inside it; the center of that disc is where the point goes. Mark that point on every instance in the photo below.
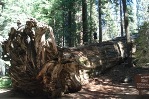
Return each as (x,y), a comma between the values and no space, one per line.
(76,22)
(69,19)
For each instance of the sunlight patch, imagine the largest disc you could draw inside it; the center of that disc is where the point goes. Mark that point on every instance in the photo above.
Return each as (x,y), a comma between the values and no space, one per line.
(4,90)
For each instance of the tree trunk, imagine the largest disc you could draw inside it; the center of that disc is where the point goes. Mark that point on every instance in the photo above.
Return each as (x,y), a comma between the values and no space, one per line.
(85,23)
(129,44)
(91,21)
(121,18)
(63,36)
(39,67)
(100,21)
(70,28)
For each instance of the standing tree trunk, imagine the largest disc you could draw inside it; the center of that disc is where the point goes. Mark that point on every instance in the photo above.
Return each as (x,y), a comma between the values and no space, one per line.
(129,44)
(91,21)
(121,23)
(63,37)
(100,21)
(85,23)
(69,28)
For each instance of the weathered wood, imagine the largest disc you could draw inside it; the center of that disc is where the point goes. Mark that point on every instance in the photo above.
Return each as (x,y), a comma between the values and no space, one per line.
(39,66)
(36,63)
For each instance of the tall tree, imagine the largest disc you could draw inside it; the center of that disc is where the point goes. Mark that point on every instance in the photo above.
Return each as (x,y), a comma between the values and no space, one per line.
(126,24)
(85,23)
(100,21)
(91,28)
(121,18)
(71,23)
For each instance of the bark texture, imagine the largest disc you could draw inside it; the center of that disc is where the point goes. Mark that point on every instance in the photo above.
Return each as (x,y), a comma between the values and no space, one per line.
(40,67)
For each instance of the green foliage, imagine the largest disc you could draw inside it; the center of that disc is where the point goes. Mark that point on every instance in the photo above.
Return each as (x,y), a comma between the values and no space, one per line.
(142,54)
(110,20)
(142,11)
(13,11)
(56,14)
(5,82)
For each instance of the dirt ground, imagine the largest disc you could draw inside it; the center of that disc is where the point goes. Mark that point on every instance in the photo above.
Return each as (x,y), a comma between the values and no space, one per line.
(116,83)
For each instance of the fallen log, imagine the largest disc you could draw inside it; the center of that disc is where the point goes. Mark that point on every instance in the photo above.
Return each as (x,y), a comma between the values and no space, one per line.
(40,67)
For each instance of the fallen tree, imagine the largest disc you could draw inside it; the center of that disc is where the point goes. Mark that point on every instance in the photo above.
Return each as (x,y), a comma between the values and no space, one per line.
(40,67)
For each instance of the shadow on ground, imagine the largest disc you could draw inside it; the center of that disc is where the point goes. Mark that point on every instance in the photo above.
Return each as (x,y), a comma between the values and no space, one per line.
(10,94)
(106,86)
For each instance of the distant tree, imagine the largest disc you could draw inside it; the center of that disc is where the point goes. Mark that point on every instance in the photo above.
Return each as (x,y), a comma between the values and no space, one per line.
(100,21)
(142,54)
(91,28)
(84,21)
(121,18)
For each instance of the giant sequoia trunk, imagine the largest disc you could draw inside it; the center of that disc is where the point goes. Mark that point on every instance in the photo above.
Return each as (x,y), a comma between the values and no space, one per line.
(40,67)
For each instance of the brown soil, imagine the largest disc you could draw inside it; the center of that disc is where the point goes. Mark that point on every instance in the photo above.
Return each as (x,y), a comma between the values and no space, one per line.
(116,83)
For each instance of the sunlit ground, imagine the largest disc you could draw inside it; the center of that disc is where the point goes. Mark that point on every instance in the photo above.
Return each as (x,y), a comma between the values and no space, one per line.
(103,87)
(96,89)
(4,90)
(99,89)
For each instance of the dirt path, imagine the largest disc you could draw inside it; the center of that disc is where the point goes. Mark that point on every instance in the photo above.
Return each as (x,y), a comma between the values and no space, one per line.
(94,90)
(107,90)
(109,85)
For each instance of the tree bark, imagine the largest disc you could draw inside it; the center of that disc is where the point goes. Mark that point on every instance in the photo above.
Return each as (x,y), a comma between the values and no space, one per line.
(85,23)
(121,19)
(126,25)
(100,21)
(40,67)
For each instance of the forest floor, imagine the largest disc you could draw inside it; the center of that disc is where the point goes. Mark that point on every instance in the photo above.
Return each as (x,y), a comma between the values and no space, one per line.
(116,83)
